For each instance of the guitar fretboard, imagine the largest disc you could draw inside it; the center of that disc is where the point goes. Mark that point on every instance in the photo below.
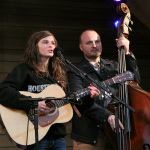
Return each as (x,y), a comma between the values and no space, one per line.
(60,103)
(84,92)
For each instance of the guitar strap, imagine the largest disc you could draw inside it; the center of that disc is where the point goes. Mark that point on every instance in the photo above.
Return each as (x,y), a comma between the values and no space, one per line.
(1,129)
(1,125)
(77,111)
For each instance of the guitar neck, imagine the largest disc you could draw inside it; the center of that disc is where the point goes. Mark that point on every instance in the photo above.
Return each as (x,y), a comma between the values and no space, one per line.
(107,82)
(84,92)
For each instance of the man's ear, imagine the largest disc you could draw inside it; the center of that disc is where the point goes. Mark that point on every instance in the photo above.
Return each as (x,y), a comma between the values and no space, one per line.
(80,46)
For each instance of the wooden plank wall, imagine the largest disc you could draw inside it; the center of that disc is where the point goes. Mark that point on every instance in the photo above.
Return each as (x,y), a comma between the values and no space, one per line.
(66,20)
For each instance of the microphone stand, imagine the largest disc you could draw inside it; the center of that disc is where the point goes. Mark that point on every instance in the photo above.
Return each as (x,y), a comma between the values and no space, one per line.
(108,93)
(115,104)
(35,107)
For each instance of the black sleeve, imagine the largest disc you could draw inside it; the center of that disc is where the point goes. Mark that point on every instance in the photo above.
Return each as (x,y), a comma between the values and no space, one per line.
(76,83)
(9,90)
(132,66)
(98,113)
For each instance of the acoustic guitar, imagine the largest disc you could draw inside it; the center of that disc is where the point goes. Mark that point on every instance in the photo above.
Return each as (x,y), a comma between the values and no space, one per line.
(16,121)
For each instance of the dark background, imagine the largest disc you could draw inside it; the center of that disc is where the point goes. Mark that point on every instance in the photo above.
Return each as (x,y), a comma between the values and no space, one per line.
(66,20)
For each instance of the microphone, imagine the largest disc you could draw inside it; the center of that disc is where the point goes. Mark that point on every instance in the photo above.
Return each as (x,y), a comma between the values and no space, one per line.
(58,52)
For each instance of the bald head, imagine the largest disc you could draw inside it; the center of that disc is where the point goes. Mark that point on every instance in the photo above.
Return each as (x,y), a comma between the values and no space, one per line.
(87,33)
(90,44)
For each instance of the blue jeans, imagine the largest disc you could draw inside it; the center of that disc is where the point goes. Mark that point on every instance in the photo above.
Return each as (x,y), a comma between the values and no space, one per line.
(50,144)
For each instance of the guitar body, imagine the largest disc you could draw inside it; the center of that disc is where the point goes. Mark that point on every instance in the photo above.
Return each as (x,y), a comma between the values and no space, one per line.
(15,121)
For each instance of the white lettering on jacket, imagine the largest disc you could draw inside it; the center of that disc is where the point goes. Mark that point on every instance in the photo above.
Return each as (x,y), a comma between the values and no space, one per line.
(37,88)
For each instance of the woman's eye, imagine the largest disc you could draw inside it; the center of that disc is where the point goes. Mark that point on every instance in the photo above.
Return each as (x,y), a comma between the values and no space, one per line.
(53,43)
(45,42)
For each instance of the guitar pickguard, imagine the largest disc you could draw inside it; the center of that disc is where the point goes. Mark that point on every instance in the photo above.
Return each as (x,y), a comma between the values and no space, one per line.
(48,119)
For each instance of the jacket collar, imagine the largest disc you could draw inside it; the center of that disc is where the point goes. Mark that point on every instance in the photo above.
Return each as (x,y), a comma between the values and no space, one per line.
(88,67)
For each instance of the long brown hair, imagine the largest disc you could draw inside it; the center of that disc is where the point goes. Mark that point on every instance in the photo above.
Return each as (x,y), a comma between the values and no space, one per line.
(32,57)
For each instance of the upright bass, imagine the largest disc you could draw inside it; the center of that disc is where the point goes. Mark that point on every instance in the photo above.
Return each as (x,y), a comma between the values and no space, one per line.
(136,135)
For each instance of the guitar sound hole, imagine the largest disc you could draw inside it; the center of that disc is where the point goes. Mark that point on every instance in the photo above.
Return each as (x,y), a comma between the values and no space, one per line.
(52,106)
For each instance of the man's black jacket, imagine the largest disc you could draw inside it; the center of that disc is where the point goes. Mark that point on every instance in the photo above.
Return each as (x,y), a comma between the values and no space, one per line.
(93,114)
